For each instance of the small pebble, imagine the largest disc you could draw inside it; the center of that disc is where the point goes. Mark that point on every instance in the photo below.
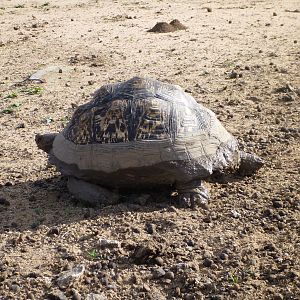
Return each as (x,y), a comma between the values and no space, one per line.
(4,202)
(287,98)
(53,231)
(277,297)
(169,275)
(223,256)
(277,204)
(150,228)
(158,261)
(207,262)
(158,273)
(15,288)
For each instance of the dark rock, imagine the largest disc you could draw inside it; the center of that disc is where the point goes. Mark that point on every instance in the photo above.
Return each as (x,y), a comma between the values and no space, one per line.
(57,295)
(278,297)
(223,256)
(20,125)
(277,204)
(4,202)
(207,262)
(145,253)
(287,98)
(158,261)
(150,228)
(53,231)
(158,273)
(170,275)
(233,74)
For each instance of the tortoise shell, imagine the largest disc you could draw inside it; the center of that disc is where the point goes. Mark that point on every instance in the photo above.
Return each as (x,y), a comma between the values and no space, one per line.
(138,109)
(143,132)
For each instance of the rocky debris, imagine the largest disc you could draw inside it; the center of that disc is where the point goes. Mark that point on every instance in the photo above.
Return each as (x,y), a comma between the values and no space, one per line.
(57,295)
(96,297)
(146,252)
(53,231)
(109,244)
(67,277)
(290,93)
(4,202)
(40,75)
(150,228)
(158,273)
(164,27)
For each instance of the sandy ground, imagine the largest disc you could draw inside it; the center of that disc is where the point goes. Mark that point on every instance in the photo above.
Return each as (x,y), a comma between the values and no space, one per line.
(241,59)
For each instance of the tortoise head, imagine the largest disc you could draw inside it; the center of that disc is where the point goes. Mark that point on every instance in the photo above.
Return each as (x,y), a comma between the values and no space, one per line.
(45,141)
(249,163)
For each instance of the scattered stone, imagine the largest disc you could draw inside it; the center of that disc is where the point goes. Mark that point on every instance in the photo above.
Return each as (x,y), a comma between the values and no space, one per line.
(4,202)
(233,74)
(20,125)
(57,295)
(158,273)
(170,275)
(209,9)
(207,262)
(278,297)
(223,256)
(150,228)
(53,231)
(146,253)
(96,297)
(158,261)
(287,98)
(274,14)
(39,76)
(15,288)
(67,277)
(235,214)
(164,27)
(277,203)
(109,244)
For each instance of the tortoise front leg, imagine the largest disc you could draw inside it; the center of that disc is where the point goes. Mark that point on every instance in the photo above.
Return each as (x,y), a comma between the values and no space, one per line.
(191,194)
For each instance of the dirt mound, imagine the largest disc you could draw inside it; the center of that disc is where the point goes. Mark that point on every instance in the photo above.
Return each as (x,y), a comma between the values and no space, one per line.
(163,27)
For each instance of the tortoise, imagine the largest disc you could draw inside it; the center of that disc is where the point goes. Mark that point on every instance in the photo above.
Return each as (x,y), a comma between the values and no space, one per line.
(143,134)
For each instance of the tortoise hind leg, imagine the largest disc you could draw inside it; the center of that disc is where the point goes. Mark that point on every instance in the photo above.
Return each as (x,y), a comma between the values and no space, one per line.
(192,194)
(91,193)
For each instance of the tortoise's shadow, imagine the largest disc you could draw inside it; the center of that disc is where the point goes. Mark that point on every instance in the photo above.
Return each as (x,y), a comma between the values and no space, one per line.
(29,205)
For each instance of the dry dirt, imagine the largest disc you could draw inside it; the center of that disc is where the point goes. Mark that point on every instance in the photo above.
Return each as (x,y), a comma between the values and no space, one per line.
(239,58)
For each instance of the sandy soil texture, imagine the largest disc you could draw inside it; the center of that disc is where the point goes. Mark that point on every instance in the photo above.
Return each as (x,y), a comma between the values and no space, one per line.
(239,58)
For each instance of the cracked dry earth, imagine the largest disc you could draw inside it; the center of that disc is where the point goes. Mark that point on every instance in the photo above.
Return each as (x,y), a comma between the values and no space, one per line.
(240,59)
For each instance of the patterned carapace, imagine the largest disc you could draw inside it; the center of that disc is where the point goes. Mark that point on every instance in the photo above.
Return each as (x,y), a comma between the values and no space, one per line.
(138,109)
